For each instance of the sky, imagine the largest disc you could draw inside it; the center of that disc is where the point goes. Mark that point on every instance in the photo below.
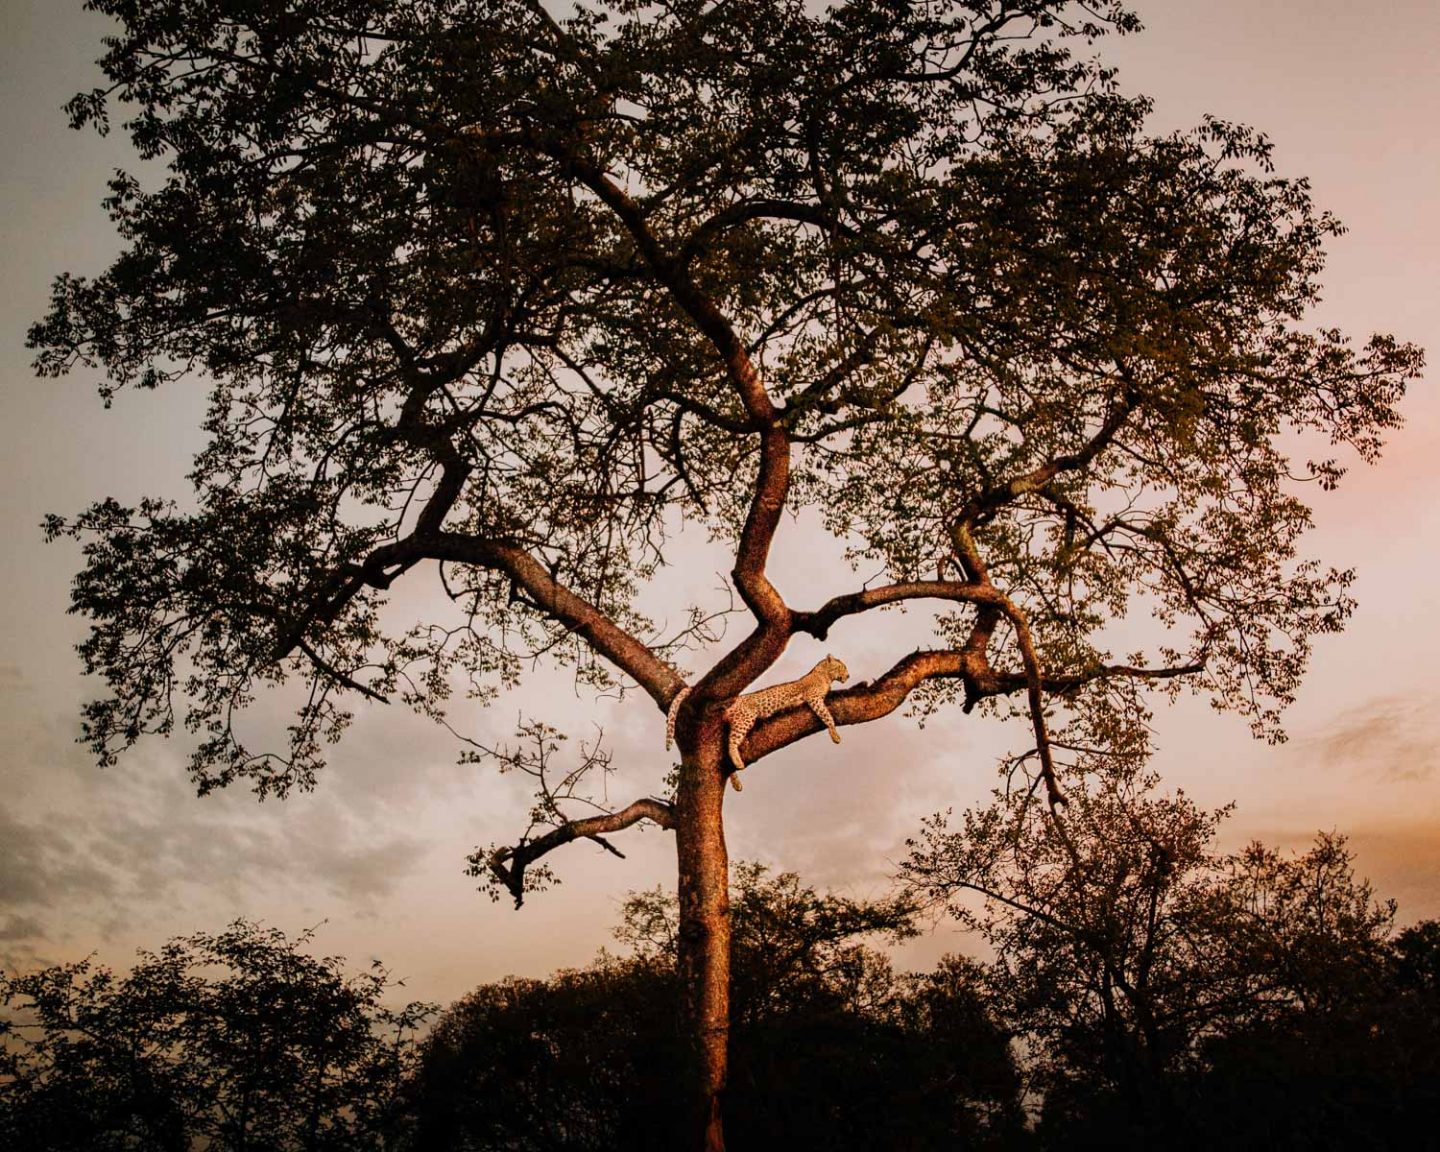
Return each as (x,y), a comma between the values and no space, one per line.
(108,861)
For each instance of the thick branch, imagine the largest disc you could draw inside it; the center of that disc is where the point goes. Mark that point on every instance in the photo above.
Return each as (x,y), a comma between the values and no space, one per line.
(508,864)
(818,623)
(766,506)
(871,701)
(325,601)
(579,615)
(972,662)
(576,613)
(773,483)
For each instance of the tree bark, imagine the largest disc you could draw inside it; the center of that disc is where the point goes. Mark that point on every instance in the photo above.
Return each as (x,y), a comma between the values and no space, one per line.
(704,932)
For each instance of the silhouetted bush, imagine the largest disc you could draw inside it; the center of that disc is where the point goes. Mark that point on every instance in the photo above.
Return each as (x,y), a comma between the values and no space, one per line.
(231,1041)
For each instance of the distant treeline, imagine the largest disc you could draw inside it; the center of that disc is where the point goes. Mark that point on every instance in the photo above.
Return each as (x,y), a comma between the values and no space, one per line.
(1145,994)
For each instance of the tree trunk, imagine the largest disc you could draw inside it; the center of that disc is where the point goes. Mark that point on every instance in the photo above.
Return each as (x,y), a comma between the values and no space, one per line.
(704,944)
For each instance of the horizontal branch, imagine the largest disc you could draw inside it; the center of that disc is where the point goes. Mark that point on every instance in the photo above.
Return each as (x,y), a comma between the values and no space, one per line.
(871,701)
(744,211)
(508,864)
(972,662)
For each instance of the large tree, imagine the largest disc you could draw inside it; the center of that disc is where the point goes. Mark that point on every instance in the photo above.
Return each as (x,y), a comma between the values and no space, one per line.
(526,298)
(1127,946)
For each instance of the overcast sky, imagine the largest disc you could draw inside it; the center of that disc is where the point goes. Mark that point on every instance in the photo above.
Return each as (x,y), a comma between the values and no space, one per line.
(107,861)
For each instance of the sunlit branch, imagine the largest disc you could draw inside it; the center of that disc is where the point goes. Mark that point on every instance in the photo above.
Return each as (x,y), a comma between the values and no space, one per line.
(585,619)
(860,704)
(758,651)
(508,864)
(973,657)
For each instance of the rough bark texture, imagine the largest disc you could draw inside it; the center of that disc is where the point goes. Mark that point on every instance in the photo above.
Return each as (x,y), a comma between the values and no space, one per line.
(704,944)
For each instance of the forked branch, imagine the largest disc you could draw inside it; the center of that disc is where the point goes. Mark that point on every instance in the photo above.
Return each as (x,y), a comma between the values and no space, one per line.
(867,702)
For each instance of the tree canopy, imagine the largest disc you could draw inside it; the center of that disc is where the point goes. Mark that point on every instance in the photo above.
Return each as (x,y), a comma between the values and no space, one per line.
(513,294)
(233,1040)
(1149,973)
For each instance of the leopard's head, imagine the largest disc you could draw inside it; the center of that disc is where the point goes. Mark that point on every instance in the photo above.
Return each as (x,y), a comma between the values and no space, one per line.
(836,669)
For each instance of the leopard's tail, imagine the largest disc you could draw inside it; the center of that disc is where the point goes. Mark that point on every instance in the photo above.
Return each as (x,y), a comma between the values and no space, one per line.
(740,721)
(739,729)
(674,712)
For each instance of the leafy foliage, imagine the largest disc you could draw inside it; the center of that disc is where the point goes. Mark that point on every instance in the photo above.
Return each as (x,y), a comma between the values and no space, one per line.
(228,1041)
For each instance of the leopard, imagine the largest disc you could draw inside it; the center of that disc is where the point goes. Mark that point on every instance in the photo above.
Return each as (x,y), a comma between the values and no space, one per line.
(744,712)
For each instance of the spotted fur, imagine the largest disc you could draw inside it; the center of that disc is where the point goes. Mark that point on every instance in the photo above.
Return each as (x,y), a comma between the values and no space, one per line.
(745,711)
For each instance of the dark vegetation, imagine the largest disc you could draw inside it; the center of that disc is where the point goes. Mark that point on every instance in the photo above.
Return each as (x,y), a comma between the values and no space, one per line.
(237,1040)
(1264,1002)
(1168,995)
(829,1047)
